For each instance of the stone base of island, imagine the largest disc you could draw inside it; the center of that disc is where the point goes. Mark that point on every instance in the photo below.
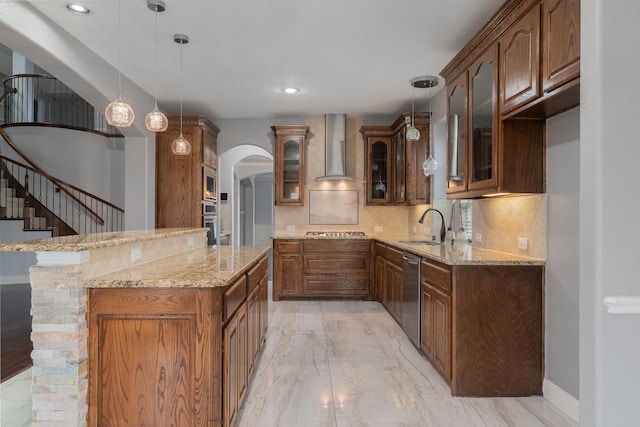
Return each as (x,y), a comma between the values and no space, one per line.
(129,328)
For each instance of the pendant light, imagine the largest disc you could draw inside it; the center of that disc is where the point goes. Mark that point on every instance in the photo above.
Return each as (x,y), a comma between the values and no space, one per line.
(430,165)
(119,113)
(181,146)
(413,134)
(156,121)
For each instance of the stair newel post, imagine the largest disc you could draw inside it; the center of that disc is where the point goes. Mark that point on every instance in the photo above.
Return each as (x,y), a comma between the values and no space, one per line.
(26,214)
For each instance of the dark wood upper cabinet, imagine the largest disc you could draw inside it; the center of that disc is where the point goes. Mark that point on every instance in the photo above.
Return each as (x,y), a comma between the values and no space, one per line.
(520,59)
(393,165)
(560,42)
(289,166)
(521,68)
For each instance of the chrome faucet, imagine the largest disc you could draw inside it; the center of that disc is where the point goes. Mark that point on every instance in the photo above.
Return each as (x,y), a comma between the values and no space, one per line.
(443,230)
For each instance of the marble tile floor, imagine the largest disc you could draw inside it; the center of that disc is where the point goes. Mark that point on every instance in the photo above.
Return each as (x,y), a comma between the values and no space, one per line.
(342,363)
(348,363)
(15,400)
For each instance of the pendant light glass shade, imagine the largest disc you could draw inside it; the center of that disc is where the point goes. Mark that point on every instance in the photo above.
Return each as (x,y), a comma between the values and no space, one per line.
(181,146)
(156,121)
(119,113)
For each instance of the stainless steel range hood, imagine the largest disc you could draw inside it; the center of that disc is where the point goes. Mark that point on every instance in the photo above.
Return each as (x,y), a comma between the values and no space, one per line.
(335,128)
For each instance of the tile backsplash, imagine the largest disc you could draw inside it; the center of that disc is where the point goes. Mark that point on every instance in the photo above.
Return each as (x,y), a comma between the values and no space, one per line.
(502,221)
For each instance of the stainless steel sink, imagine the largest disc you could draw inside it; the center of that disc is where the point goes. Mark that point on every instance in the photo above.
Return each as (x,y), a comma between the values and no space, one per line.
(420,242)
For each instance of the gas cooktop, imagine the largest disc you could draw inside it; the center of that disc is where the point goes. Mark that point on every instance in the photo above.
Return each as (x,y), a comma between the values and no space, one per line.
(336,233)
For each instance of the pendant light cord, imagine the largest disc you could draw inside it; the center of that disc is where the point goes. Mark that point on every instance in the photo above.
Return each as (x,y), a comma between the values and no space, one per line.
(119,53)
(156,13)
(181,43)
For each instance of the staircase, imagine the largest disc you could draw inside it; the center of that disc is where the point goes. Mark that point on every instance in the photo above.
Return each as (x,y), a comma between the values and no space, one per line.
(14,207)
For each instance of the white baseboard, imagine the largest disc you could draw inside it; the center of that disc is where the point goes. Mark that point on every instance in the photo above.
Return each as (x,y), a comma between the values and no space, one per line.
(562,400)
(14,280)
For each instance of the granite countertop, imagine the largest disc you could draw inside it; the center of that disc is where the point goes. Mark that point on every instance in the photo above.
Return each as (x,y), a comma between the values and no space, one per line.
(84,242)
(200,268)
(462,253)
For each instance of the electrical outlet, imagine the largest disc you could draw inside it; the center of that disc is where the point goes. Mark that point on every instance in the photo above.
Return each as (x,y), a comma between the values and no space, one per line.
(478,237)
(414,229)
(291,228)
(377,229)
(190,242)
(523,243)
(136,253)
(427,231)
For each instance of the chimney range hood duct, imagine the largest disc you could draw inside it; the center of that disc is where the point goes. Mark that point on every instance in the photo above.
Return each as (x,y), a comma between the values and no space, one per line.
(335,131)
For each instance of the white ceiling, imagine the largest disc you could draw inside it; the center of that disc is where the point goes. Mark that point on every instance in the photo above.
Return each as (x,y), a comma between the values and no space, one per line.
(347,56)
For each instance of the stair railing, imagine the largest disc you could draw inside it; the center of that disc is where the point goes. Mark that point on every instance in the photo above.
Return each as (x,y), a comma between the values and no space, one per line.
(43,100)
(82,211)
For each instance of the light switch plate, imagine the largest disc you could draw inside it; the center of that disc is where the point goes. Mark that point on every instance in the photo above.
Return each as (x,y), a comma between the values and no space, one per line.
(291,228)
(377,229)
(190,242)
(478,237)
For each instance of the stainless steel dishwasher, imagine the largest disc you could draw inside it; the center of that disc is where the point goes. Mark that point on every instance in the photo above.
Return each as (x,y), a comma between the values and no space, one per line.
(411,297)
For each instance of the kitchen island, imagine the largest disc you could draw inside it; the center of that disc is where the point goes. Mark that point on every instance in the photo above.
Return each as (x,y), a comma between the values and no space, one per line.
(128,328)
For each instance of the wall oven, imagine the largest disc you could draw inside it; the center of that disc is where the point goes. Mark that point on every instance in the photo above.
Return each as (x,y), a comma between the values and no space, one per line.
(210,221)
(209,184)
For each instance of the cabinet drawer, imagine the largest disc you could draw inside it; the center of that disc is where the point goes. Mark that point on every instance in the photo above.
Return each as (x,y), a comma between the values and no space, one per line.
(336,246)
(287,246)
(394,256)
(436,275)
(342,285)
(235,296)
(256,273)
(338,263)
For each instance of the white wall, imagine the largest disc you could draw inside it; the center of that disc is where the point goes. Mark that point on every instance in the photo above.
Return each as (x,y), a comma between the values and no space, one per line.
(14,266)
(562,288)
(79,158)
(28,32)
(609,177)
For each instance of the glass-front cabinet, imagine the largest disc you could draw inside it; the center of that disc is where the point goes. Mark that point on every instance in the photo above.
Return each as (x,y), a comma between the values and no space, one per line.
(378,164)
(289,164)
(484,122)
(457,135)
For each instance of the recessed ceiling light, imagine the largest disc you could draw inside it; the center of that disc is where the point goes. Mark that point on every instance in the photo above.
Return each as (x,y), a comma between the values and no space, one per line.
(290,90)
(78,8)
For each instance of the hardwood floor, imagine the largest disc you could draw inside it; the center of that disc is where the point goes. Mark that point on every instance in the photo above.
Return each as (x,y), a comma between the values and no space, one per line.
(15,329)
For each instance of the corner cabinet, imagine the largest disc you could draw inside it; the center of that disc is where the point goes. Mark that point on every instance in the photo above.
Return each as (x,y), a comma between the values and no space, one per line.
(289,171)
(180,179)
(393,165)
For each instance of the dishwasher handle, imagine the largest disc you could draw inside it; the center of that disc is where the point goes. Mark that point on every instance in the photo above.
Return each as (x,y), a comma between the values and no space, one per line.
(410,259)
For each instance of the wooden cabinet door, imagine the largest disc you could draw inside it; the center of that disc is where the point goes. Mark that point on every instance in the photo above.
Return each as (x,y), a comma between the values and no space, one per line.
(426,320)
(560,42)
(441,332)
(264,309)
(457,116)
(150,357)
(394,290)
(435,335)
(210,157)
(235,364)
(380,279)
(289,165)
(399,195)
(253,315)
(287,259)
(378,169)
(483,120)
(520,62)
